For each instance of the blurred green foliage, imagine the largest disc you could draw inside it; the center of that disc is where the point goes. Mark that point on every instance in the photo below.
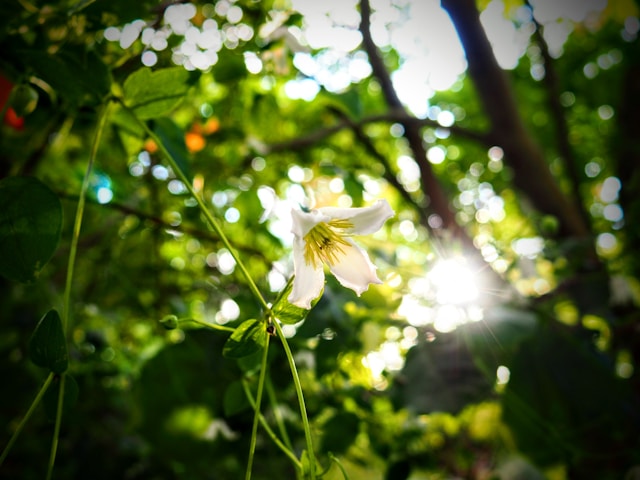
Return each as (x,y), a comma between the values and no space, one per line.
(535,377)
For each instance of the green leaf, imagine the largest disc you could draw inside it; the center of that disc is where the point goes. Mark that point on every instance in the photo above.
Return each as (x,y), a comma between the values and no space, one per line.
(441,376)
(131,133)
(306,465)
(30,224)
(251,363)
(48,346)
(235,400)
(230,67)
(24,100)
(349,101)
(152,94)
(288,313)
(339,432)
(50,399)
(248,338)
(172,137)
(80,76)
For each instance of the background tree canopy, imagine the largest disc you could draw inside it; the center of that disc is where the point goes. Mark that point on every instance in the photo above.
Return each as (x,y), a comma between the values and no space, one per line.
(150,156)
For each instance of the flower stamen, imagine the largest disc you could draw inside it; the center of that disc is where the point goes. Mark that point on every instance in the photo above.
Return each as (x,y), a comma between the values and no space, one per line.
(325,242)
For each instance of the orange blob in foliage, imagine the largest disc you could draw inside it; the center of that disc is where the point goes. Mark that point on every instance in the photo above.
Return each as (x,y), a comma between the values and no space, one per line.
(10,117)
(13,120)
(194,138)
(212,126)
(194,141)
(5,90)
(150,146)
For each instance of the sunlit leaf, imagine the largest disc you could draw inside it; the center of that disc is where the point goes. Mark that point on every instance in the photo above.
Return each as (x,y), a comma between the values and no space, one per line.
(249,337)
(152,94)
(48,346)
(306,465)
(288,313)
(30,224)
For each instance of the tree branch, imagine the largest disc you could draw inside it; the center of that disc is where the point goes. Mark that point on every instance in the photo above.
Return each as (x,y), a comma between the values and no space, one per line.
(562,129)
(438,201)
(401,117)
(531,172)
(431,187)
(371,149)
(159,222)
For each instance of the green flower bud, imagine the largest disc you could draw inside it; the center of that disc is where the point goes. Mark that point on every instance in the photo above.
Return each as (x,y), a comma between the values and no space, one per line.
(24,100)
(170,322)
(549,225)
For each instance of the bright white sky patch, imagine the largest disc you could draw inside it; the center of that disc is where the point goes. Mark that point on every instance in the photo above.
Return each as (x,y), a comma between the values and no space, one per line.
(432,58)
(305,89)
(453,281)
(508,43)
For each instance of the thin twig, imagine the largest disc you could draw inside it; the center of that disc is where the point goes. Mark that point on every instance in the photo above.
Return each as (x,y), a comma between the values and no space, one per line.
(402,117)
(561,131)
(160,222)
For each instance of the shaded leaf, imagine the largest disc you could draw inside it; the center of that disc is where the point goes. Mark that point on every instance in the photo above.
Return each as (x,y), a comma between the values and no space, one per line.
(48,346)
(50,399)
(251,363)
(79,76)
(172,137)
(563,399)
(249,337)
(349,101)
(398,471)
(230,67)
(152,94)
(30,225)
(495,340)
(441,376)
(339,432)
(235,400)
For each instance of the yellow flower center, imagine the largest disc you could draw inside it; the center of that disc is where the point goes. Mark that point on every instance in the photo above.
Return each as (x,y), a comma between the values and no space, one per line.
(325,242)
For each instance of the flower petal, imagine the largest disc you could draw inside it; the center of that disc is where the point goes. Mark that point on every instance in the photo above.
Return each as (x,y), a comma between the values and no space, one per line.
(365,220)
(354,270)
(309,279)
(303,222)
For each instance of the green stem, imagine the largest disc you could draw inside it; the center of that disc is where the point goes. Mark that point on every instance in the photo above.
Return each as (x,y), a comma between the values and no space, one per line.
(277,414)
(56,429)
(213,326)
(66,311)
(78,220)
(203,208)
(340,466)
(280,444)
(256,410)
(23,422)
(300,395)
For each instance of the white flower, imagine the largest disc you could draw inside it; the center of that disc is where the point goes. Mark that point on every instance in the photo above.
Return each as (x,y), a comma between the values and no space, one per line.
(323,236)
